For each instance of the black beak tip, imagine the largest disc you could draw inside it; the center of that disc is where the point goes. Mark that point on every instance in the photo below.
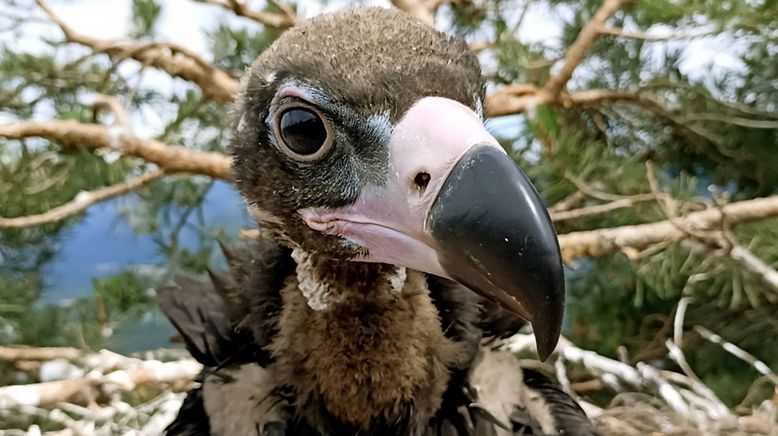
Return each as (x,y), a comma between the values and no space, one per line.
(495,236)
(547,331)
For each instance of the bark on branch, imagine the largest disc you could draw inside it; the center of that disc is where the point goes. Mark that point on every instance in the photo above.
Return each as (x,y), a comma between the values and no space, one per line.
(515,99)
(598,209)
(738,352)
(218,85)
(74,134)
(12,354)
(615,31)
(173,59)
(755,265)
(240,8)
(84,390)
(79,204)
(111,103)
(577,51)
(423,10)
(600,242)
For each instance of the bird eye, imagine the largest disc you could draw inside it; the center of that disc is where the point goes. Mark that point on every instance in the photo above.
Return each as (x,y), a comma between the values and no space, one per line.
(303,133)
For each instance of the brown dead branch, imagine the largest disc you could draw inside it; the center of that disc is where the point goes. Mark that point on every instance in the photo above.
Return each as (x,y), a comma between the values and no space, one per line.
(670,210)
(218,85)
(173,59)
(721,239)
(738,352)
(568,202)
(600,242)
(597,209)
(12,354)
(737,121)
(424,11)
(94,384)
(691,400)
(74,134)
(240,8)
(80,203)
(756,265)
(593,192)
(576,52)
(480,46)
(520,98)
(615,201)
(511,100)
(615,31)
(115,107)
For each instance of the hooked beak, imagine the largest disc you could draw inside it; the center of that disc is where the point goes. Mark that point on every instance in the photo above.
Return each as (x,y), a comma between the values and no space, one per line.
(474,218)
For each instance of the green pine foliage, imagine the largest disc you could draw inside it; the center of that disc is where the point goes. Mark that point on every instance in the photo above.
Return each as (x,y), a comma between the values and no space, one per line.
(698,126)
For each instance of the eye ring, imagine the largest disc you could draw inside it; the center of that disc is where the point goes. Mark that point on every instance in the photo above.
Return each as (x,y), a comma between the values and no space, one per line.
(315,119)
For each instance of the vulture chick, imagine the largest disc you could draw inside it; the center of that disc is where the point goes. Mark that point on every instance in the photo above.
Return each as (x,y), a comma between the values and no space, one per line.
(401,238)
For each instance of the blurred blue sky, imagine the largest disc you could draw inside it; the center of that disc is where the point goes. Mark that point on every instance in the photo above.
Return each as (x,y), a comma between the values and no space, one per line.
(103,243)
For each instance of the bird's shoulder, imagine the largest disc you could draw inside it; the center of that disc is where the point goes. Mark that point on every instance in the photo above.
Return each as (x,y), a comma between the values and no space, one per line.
(228,318)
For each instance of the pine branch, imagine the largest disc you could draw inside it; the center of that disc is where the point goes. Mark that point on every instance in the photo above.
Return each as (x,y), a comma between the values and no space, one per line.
(568,202)
(756,265)
(616,31)
(75,135)
(79,204)
(738,352)
(737,121)
(600,242)
(478,46)
(418,9)
(700,404)
(593,192)
(240,8)
(513,99)
(12,354)
(115,107)
(519,98)
(577,50)
(597,209)
(218,85)
(96,384)
(177,61)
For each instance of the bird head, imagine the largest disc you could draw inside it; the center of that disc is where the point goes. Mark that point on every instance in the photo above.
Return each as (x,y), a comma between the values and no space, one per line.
(359,136)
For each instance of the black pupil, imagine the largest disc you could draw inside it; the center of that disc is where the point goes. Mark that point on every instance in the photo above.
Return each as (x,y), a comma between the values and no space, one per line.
(303,131)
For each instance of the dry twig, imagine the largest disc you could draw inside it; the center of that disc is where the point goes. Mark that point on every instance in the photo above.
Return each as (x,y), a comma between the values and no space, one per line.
(240,8)
(95,384)
(738,352)
(756,265)
(423,10)
(115,107)
(173,59)
(596,243)
(598,209)
(171,158)
(615,31)
(576,52)
(12,354)
(80,203)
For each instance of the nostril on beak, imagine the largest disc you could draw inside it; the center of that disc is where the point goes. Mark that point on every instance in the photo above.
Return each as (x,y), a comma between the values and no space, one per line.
(421,181)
